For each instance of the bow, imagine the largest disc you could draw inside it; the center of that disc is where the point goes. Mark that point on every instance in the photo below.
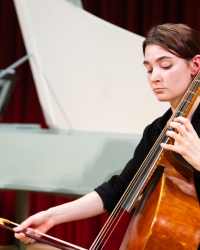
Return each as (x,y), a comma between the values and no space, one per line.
(5,221)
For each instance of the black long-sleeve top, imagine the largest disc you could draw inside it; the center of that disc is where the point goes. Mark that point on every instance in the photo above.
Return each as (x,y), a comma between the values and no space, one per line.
(111,191)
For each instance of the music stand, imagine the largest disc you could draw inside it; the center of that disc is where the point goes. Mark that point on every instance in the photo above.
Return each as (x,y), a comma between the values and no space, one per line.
(7,83)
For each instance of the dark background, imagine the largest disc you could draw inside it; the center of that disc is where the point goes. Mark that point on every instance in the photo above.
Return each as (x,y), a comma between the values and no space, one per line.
(134,15)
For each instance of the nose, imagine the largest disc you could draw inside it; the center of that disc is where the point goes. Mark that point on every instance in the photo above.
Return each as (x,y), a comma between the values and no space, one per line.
(155,76)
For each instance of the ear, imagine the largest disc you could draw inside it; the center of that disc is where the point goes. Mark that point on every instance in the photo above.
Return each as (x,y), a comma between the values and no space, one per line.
(195,65)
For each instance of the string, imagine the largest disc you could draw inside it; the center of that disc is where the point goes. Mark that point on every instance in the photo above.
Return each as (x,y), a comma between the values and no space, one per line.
(182,110)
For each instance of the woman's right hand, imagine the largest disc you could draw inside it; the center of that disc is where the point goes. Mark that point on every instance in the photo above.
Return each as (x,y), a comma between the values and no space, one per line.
(84,207)
(40,222)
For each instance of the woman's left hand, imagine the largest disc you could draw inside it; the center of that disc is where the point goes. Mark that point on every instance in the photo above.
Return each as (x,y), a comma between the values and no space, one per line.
(187,142)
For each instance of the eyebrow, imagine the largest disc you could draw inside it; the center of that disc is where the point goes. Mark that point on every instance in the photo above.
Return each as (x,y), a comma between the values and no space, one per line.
(158,59)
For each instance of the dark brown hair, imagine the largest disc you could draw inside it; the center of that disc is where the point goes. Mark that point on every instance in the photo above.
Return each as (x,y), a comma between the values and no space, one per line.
(178,39)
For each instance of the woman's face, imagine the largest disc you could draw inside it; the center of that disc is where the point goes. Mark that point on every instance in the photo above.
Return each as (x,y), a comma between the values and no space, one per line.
(169,76)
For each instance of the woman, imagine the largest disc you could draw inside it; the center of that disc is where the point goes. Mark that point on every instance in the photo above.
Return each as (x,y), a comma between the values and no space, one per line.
(172,59)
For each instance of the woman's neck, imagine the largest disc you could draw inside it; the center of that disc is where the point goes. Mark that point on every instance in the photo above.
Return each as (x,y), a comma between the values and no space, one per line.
(195,105)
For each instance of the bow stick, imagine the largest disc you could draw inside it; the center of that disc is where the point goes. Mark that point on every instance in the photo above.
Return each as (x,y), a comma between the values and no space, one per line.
(2,225)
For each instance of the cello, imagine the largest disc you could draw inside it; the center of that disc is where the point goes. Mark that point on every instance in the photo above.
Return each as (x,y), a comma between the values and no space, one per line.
(168,215)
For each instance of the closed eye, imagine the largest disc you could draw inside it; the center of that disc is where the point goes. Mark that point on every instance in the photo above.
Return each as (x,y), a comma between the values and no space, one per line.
(167,67)
(150,71)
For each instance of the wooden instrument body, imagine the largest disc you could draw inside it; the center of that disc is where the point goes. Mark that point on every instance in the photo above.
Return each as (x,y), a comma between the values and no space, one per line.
(170,217)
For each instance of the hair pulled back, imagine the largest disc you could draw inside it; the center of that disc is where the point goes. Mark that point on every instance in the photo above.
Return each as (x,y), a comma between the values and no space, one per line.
(179,39)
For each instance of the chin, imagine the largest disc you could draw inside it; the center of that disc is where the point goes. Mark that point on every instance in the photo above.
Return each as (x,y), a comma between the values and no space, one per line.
(160,99)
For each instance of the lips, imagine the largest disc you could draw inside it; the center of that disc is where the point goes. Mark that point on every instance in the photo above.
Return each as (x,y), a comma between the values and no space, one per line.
(158,90)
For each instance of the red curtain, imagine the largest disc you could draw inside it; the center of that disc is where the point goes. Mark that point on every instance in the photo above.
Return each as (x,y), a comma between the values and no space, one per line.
(139,16)
(134,15)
